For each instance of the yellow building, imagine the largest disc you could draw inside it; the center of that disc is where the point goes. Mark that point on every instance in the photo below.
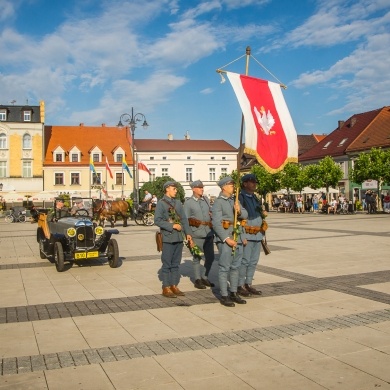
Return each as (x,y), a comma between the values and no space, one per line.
(21,151)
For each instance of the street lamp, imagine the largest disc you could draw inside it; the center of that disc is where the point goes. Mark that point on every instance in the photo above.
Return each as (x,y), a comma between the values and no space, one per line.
(132,121)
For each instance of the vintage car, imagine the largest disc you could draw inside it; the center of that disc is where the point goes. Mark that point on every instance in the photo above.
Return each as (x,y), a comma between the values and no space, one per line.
(71,235)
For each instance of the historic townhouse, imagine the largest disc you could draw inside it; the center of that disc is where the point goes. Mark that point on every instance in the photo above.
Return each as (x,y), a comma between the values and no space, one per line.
(21,150)
(70,151)
(186,160)
(358,134)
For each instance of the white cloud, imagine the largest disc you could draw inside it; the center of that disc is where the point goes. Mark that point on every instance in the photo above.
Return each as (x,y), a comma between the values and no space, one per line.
(207,91)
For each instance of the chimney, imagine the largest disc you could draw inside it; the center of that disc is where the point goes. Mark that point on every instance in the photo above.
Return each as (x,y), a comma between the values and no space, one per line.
(187,135)
(170,137)
(81,124)
(103,125)
(341,124)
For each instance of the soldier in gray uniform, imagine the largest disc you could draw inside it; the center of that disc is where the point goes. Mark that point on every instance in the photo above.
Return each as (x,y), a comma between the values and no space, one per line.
(251,234)
(230,250)
(173,223)
(197,209)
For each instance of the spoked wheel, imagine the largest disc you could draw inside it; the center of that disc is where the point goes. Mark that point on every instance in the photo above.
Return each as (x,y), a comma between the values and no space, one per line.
(22,218)
(59,256)
(148,219)
(9,218)
(139,219)
(113,253)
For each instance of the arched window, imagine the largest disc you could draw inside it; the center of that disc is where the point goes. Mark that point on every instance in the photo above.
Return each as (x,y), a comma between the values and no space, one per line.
(3,141)
(27,141)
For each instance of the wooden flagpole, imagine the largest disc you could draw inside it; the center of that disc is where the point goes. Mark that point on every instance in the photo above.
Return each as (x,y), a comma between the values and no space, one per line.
(240,152)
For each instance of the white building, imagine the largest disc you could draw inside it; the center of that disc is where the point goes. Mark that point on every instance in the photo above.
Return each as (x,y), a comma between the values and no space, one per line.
(186,160)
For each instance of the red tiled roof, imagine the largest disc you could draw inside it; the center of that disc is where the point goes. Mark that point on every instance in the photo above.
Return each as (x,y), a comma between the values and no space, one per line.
(337,142)
(186,145)
(85,138)
(306,142)
(376,135)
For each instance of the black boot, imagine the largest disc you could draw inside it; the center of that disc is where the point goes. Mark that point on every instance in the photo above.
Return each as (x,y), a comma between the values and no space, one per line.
(252,290)
(207,283)
(243,291)
(198,284)
(236,298)
(226,301)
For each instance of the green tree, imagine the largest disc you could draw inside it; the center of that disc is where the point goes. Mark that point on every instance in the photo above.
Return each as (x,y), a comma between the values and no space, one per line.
(293,177)
(373,165)
(327,173)
(156,187)
(268,182)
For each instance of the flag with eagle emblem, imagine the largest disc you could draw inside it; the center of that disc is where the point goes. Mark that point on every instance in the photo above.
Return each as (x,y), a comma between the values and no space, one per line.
(270,134)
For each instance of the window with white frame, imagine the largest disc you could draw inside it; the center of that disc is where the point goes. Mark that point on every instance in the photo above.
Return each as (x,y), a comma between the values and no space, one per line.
(3,115)
(119,178)
(96,157)
(27,116)
(27,169)
(75,178)
(223,171)
(3,141)
(189,174)
(164,172)
(212,174)
(75,157)
(27,141)
(3,169)
(119,157)
(58,157)
(152,176)
(59,178)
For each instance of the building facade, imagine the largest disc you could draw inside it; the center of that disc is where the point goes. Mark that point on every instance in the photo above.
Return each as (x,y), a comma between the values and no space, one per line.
(21,150)
(358,134)
(76,159)
(186,160)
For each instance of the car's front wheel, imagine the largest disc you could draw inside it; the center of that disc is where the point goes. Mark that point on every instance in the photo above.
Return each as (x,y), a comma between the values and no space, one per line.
(113,253)
(59,256)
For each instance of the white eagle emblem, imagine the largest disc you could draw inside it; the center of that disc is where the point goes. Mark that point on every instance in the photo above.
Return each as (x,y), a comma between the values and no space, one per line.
(265,120)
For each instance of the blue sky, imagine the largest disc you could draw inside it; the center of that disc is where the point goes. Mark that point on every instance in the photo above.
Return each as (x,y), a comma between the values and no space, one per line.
(93,60)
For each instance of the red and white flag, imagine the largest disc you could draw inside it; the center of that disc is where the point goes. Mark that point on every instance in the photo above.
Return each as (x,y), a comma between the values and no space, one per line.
(109,169)
(270,134)
(143,167)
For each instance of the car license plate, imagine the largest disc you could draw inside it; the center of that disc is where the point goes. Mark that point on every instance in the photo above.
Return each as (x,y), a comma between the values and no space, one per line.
(92,254)
(85,255)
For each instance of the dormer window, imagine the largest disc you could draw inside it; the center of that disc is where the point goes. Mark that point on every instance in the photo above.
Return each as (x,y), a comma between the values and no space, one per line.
(27,116)
(342,142)
(58,157)
(3,115)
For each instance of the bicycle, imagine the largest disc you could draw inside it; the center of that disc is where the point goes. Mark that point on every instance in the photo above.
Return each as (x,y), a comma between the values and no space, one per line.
(11,218)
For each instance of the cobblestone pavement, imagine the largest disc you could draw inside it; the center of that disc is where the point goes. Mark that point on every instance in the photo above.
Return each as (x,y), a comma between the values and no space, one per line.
(323,321)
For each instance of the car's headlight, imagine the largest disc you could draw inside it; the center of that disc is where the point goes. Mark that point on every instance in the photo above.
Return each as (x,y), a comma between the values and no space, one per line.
(99,230)
(71,232)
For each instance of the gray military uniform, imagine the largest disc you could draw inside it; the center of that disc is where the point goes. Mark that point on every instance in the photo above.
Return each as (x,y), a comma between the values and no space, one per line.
(173,240)
(203,236)
(251,251)
(229,262)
